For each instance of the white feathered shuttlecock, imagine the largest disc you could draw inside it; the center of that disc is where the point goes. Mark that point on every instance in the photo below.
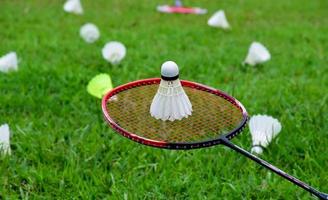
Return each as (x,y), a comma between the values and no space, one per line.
(170,102)
(263,129)
(114,52)
(89,32)
(5,139)
(219,20)
(73,6)
(9,62)
(257,54)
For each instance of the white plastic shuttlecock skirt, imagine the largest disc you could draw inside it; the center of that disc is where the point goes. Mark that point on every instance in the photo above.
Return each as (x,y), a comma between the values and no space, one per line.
(170,102)
(73,6)
(263,129)
(9,62)
(5,139)
(257,54)
(89,32)
(114,52)
(219,20)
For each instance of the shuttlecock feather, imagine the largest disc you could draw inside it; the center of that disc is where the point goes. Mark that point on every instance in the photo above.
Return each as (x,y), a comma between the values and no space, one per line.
(170,102)
(257,54)
(9,62)
(73,6)
(114,52)
(89,32)
(219,20)
(5,139)
(263,129)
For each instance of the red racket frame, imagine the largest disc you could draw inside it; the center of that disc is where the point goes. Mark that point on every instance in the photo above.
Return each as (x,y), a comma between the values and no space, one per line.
(168,145)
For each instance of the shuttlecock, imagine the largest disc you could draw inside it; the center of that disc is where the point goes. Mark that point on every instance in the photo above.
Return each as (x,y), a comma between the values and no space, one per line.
(89,32)
(219,20)
(114,52)
(100,85)
(263,129)
(257,54)
(170,102)
(5,139)
(73,6)
(9,62)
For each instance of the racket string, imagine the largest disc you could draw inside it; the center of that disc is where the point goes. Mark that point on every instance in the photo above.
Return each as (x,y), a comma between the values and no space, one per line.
(212,116)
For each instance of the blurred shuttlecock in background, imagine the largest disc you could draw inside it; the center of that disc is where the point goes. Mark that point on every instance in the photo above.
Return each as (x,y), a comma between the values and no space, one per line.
(9,62)
(5,139)
(257,54)
(263,129)
(100,85)
(89,32)
(114,52)
(73,6)
(170,102)
(219,20)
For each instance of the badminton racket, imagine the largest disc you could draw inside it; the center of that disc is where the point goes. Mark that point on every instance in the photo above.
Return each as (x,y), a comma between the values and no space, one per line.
(216,119)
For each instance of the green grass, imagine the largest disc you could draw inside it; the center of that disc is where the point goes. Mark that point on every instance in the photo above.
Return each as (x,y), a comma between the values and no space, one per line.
(63,149)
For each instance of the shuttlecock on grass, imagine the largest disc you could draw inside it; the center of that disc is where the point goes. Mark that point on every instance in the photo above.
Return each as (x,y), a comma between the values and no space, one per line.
(257,54)
(73,6)
(5,139)
(89,32)
(114,52)
(170,102)
(100,85)
(9,62)
(263,129)
(219,20)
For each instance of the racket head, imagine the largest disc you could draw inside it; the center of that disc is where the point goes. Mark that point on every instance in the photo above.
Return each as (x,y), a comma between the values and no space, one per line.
(215,114)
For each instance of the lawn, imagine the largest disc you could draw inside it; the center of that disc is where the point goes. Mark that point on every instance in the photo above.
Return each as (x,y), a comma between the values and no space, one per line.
(63,149)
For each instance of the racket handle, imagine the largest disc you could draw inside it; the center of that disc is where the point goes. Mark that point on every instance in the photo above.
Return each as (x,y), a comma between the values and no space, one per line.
(323,196)
(225,141)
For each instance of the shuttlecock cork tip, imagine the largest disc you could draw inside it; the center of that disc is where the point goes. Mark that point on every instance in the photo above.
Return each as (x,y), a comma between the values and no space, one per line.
(257,150)
(170,70)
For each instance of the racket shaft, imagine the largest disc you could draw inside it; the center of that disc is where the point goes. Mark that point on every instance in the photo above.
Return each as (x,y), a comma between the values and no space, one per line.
(276,170)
